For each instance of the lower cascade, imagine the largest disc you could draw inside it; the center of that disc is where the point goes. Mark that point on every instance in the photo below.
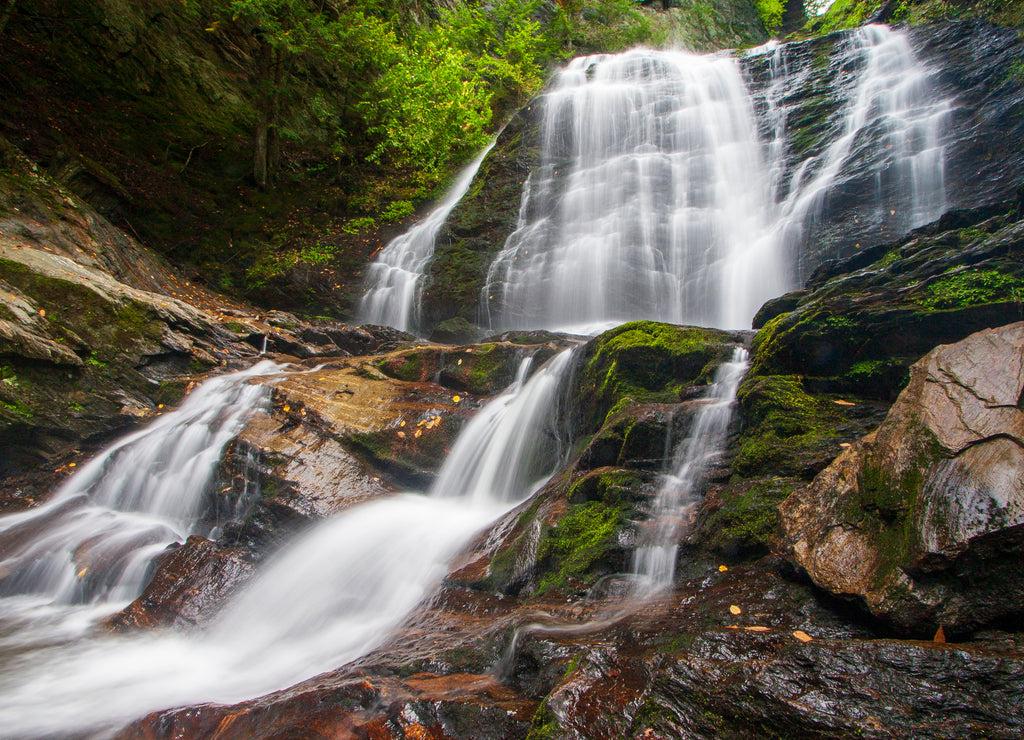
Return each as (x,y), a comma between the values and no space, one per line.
(678,497)
(380,560)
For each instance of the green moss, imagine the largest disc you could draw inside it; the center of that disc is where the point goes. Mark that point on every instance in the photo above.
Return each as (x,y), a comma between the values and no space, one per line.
(411,367)
(972,288)
(487,364)
(572,548)
(784,425)
(237,328)
(747,518)
(647,362)
(545,725)
(614,488)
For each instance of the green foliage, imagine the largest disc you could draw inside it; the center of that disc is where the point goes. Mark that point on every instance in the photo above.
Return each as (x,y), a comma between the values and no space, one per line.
(396,211)
(770,12)
(271,264)
(600,25)
(972,288)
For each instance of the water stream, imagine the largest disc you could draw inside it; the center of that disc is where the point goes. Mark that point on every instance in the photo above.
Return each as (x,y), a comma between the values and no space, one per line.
(675,506)
(394,281)
(656,198)
(330,597)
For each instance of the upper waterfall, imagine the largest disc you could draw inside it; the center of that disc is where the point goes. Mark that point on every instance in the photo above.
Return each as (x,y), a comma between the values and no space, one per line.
(650,201)
(692,189)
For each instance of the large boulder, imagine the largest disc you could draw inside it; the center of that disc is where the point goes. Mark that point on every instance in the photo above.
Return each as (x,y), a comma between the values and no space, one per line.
(923,520)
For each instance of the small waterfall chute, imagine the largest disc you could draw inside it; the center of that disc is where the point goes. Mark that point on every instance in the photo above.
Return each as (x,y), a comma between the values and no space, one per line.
(394,281)
(679,495)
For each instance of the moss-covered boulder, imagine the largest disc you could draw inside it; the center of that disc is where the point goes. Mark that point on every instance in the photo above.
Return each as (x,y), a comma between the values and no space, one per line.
(645,362)
(863,321)
(922,521)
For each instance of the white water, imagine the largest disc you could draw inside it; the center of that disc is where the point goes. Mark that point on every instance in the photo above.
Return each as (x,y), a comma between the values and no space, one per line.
(679,496)
(94,539)
(394,281)
(329,598)
(892,94)
(656,199)
(648,203)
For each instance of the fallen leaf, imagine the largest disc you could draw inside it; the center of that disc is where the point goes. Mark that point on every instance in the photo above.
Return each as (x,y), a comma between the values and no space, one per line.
(844,445)
(802,636)
(403,423)
(82,572)
(455,399)
(837,402)
(735,609)
(758,628)
(287,408)
(402,435)
(722,569)
(940,635)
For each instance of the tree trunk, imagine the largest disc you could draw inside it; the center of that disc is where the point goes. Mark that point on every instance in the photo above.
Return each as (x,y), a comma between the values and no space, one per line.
(259,160)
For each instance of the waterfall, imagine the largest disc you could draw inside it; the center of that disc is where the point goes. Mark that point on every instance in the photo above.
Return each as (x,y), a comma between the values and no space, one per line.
(330,597)
(93,541)
(394,281)
(679,495)
(649,200)
(892,96)
(656,197)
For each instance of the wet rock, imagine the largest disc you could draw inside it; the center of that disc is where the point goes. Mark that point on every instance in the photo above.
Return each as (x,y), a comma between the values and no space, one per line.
(188,587)
(360,706)
(923,520)
(864,321)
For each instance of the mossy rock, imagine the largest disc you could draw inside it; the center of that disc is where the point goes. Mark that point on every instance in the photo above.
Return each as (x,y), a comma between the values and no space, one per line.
(645,362)
(479,369)
(741,519)
(582,546)
(863,321)
(786,431)
(455,331)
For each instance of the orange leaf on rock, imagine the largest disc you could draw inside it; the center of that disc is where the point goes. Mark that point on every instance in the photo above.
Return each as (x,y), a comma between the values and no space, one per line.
(802,636)
(735,609)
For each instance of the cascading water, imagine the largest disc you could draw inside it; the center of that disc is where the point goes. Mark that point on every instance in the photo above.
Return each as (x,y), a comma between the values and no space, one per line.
(93,541)
(656,198)
(650,197)
(331,597)
(675,505)
(394,281)
(893,96)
